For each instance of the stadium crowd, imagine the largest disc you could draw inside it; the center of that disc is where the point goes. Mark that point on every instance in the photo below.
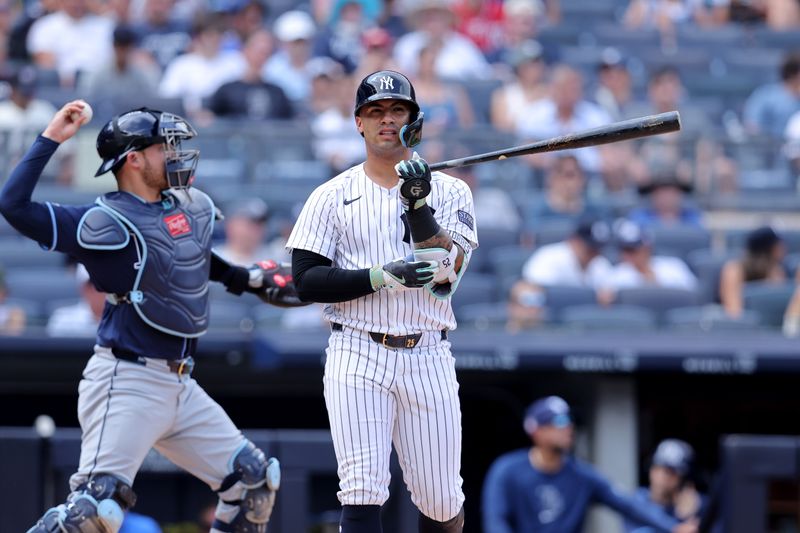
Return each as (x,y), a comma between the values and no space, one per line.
(646,232)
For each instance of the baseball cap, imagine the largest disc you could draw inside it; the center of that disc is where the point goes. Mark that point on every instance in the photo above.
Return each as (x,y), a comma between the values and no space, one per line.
(521,8)
(376,37)
(595,233)
(23,78)
(675,454)
(630,235)
(611,57)
(125,35)
(294,25)
(253,209)
(324,66)
(548,411)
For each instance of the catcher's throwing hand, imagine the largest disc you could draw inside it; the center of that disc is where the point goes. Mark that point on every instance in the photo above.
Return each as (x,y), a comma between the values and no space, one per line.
(416,176)
(62,126)
(272,282)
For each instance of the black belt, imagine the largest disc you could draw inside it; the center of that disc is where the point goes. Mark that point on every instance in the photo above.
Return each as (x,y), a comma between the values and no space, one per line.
(392,341)
(179,366)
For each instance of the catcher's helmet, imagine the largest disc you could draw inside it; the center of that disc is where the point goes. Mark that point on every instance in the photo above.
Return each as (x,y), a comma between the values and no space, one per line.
(143,127)
(391,85)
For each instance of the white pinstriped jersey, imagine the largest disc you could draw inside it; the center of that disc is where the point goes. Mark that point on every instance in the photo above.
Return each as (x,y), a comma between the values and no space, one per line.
(357,224)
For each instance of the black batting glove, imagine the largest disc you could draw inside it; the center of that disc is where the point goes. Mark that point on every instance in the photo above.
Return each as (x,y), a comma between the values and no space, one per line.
(401,274)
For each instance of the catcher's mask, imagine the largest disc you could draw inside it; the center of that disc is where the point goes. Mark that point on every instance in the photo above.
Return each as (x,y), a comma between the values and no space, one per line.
(140,128)
(391,85)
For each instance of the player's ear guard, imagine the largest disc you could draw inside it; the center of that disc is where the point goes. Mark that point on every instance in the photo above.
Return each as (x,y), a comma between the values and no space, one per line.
(411,134)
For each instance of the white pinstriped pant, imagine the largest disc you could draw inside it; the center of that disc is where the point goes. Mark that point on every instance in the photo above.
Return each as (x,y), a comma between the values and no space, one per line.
(377,396)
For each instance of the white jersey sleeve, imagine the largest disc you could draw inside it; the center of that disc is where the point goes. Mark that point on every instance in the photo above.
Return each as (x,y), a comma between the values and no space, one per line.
(316,229)
(457,212)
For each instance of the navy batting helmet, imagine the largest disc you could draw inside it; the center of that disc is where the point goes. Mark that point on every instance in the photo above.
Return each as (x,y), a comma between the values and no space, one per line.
(391,85)
(143,127)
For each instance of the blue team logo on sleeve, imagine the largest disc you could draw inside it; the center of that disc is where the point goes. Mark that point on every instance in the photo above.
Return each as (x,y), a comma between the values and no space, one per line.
(466,218)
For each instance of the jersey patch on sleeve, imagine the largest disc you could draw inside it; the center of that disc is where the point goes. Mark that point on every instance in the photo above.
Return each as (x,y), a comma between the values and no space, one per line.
(466,218)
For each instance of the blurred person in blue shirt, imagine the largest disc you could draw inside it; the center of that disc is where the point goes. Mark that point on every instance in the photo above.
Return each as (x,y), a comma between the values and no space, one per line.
(671,486)
(768,109)
(544,489)
(666,203)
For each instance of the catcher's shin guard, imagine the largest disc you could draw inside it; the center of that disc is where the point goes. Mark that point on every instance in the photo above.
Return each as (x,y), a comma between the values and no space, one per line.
(247,494)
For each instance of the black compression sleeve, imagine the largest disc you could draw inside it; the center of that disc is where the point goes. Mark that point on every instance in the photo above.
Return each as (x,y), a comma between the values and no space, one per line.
(235,278)
(421,223)
(317,281)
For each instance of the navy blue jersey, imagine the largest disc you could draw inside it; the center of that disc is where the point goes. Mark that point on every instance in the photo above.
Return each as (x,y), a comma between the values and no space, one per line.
(55,226)
(517,498)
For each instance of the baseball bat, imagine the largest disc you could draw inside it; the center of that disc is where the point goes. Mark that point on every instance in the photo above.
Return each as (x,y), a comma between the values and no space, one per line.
(610,133)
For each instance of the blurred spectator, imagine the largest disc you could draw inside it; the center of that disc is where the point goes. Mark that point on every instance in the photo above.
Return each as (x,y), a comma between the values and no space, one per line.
(161,35)
(336,140)
(23,116)
(667,15)
(614,89)
(666,203)
(82,318)
(377,44)
(18,32)
(545,488)
(768,109)
(666,92)
(762,260)
(196,75)
(638,267)
(128,73)
(493,205)
(287,67)
(564,197)
(670,485)
(521,18)
(576,261)
(246,232)
(512,104)
(620,170)
(791,148)
(446,105)
(782,15)
(564,111)
(791,319)
(341,38)
(245,17)
(434,22)
(250,97)
(71,40)
(482,21)
(7,13)
(325,74)
(12,317)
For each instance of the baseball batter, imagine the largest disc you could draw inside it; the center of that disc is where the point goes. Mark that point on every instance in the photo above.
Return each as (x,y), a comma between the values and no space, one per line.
(148,245)
(385,243)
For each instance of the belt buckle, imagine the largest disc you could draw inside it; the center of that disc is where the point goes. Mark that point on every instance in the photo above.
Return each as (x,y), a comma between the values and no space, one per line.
(384,340)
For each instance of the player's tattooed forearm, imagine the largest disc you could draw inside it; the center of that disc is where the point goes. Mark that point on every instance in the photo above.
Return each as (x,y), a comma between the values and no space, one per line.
(442,239)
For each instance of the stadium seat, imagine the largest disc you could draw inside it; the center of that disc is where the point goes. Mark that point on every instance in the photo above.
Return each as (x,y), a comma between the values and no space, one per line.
(489,241)
(709,318)
(707,266)
(16,252)
(769,300)
(42,284)
(483,316)
(559,297)
(680,240)
(479,93)
(230,315)
(506,263)
(552,231)
(657,299)
(309,171)
(227,171)
(35,313)
(614,317)
(475,288)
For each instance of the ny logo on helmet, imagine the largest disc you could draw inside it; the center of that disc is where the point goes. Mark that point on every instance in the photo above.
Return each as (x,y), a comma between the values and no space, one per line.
(387,83)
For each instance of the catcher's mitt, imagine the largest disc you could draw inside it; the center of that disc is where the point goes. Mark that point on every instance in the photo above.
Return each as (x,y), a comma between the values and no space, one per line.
(278,286)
